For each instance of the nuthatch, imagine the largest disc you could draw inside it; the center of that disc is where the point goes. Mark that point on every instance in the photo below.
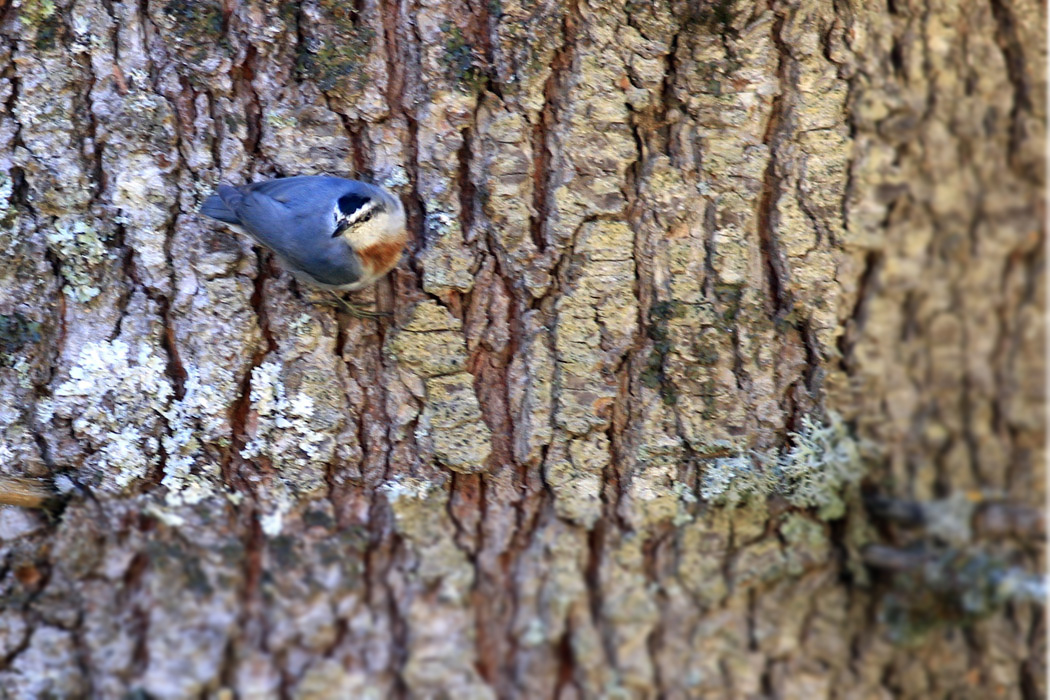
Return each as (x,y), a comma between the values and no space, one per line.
(334,233)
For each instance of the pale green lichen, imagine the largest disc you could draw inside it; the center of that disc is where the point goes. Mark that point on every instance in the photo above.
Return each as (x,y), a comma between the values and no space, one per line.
(81,250)
(398,177)
(85,37)
(822,461)
(730,481)
(35,11)
(304,326)
(281,121)
(23,370)
(40,16)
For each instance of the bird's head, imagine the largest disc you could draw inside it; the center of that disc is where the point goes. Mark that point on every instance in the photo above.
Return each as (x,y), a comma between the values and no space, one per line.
(370,218)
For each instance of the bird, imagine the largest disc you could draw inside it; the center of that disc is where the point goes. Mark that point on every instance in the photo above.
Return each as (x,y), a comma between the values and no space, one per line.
(330,232)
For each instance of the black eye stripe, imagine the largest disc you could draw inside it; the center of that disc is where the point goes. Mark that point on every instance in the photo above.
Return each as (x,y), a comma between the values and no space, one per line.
(343,222)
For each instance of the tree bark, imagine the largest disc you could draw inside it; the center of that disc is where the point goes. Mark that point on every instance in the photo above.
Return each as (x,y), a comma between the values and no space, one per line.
(691,283)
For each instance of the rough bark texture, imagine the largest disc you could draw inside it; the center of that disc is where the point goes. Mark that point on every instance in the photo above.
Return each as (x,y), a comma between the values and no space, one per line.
(685,278)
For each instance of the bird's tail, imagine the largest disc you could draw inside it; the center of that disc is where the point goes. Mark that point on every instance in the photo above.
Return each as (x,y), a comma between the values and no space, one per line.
(215,208)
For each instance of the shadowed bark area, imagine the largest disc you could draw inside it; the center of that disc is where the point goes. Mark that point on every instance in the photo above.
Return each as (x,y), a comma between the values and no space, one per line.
(715,369)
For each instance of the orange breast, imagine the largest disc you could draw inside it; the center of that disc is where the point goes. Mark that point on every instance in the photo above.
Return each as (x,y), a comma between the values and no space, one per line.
(380,258)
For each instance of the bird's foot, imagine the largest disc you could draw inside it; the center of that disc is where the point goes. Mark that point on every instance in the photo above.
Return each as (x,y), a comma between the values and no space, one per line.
(357,311)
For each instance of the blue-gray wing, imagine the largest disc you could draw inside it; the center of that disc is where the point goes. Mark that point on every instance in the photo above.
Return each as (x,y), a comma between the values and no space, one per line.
(304,190)
(315,193)
(215,208)
(303,239)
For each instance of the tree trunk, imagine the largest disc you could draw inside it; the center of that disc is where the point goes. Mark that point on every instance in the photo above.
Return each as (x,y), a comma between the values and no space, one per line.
(718,346)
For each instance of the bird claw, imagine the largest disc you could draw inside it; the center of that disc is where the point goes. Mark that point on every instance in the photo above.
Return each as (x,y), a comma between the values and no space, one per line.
(357,311)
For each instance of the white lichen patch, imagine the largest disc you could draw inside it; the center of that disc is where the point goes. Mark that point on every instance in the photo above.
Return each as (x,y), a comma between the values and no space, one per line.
(279,504)
(114,398)
(405,487)
(6,190)
(188,475)
(121,403)
(288,431)
(279,121)
(34,11)
(398,177)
